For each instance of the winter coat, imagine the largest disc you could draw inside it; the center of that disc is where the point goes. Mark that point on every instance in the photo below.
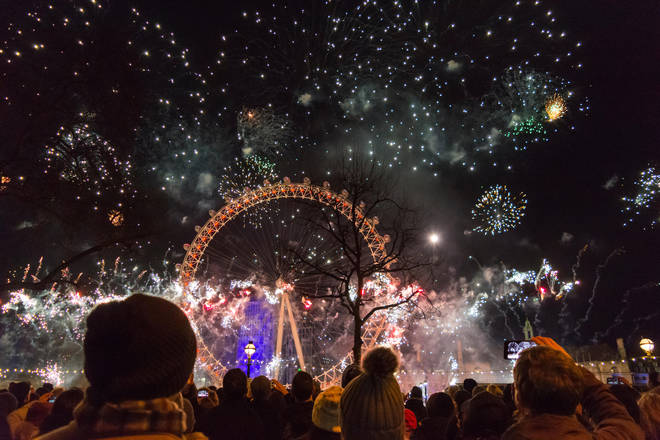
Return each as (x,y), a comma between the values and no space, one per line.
(270,418)
(17,417)
(297,419)
(433,428)
(73,432)
(232,420)
(5,433)
(611,419)
(26,431)
(417,407)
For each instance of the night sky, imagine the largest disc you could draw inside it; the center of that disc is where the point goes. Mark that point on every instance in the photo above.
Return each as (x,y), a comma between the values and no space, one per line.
(86,75)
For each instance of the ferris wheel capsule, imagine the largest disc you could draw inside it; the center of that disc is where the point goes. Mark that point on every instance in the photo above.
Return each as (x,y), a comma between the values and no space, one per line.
(286,180)
(326,185)
(197,228)
(306,181)
(211,212)
(177,266)
(266,182)
(186,246)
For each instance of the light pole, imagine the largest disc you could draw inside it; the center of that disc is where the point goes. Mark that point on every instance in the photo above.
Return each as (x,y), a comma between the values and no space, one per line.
(249,351)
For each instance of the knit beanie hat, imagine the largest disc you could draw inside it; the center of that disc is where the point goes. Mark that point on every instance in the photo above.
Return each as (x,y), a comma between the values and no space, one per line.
(140,348)
(325,414)
(371,406)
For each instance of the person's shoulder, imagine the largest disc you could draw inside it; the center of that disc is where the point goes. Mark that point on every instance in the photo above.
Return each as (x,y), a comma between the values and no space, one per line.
(20,412)
(546,426)
(68,432)
(517,431)
(72,432)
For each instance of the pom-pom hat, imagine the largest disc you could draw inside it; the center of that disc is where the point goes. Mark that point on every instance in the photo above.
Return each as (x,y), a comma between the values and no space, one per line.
(140,348)
(371,406)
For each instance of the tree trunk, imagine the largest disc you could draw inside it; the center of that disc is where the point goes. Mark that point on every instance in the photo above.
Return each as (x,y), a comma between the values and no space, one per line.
(357,339)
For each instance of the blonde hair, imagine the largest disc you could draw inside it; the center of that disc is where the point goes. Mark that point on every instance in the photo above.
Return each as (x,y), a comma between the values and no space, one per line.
(649,408)
(495,390)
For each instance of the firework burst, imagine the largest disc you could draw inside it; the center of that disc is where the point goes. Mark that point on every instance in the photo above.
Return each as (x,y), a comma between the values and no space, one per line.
(645,200)
(263,131)
(248,172)
(402,77)
(555,107)
(82,158)
(498,211)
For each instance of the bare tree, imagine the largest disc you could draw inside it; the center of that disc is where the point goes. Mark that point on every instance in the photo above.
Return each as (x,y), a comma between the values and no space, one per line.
(368,194)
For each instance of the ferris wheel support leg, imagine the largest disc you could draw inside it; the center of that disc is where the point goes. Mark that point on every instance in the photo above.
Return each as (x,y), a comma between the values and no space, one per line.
(278,344)
(294,331)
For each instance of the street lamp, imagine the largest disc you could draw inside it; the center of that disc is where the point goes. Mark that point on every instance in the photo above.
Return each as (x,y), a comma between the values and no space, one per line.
(647,345)
(249,351)
(434,238)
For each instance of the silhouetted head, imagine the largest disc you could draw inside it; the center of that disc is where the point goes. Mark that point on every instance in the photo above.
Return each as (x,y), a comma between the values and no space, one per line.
(140,348)
(260,387)
(21,391)
(469,384)
(234,384)
(440,405)
(485,415)
(416,393)
(350,373)
(302,386)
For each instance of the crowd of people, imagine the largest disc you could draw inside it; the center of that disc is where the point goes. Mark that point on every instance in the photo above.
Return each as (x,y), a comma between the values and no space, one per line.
(139,358)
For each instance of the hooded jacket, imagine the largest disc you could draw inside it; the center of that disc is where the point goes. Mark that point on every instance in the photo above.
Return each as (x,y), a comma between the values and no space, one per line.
(611,419)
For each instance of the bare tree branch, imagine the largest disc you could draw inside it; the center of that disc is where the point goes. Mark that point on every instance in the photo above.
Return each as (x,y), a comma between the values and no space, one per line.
(53,275)
(369,191)
(392,305)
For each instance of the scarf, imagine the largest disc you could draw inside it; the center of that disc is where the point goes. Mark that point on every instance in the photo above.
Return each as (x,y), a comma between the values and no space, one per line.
(132,417)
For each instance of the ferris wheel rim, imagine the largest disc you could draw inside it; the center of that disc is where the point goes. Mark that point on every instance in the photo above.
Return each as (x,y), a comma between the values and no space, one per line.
(284,189)
(269,192)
